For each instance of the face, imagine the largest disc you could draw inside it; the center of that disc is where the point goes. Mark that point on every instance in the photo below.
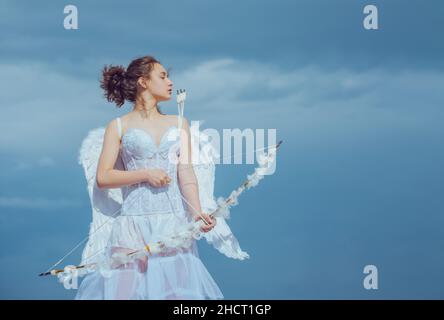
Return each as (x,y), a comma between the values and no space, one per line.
(160,85)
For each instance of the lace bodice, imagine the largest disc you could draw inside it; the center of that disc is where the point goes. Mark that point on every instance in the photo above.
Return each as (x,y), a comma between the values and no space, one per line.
(139,150)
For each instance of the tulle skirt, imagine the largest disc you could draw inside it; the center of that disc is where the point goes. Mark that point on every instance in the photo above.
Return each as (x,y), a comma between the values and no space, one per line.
(174,274)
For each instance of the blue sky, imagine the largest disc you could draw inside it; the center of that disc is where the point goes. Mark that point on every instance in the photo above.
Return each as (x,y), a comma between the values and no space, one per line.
(359,176)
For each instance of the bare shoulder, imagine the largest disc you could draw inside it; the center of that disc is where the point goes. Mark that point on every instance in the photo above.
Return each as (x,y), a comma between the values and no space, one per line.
(174,120)
(124,119)
(112,129)
(124,122)
(112,125)
(185,124)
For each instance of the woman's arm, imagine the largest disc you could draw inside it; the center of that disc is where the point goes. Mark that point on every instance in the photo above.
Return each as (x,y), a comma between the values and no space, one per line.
(185,172)
(107,176)
(187,178)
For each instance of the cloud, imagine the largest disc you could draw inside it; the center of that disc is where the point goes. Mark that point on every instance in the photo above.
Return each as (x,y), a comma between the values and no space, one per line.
(249,93)
(43,108)
(48,112)
(27,165)
(255,72)
(37,203)
(288,32)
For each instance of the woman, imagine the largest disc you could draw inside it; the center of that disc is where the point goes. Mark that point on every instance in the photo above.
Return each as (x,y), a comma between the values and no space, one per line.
(161,195)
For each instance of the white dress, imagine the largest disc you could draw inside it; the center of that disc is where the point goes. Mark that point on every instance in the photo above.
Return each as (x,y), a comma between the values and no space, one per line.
(147,214)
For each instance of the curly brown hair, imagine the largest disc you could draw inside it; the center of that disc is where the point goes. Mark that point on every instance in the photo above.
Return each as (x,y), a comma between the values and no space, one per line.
(120,84)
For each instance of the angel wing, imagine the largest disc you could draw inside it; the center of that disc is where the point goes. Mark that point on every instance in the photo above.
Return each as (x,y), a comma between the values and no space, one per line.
(107,203)
(221,236)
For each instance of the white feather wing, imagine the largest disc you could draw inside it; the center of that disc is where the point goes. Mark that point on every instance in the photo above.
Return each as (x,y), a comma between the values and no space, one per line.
(105,203)
(221,236)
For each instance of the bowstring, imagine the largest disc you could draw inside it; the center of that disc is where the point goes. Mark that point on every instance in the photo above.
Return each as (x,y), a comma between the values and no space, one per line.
(115,214)
(86,238)
(180,106)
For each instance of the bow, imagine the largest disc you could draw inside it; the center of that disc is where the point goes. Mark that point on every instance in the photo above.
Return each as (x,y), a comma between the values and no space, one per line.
(182,237)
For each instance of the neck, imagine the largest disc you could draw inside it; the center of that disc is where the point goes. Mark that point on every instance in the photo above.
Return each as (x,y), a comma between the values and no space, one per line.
(147,109)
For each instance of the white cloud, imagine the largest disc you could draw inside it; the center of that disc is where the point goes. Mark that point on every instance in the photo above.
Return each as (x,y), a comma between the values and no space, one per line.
(47,112)
(46,162)
(39,163)
(37,203)
(44,109)
(311,102)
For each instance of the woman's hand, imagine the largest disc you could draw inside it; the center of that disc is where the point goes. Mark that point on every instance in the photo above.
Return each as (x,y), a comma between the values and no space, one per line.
(157,178)
(211,222)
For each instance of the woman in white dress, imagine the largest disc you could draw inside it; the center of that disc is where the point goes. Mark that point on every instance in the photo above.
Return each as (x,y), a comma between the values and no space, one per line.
(161,194)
